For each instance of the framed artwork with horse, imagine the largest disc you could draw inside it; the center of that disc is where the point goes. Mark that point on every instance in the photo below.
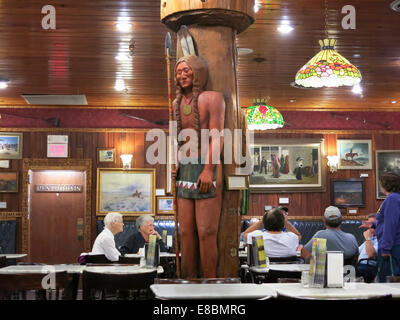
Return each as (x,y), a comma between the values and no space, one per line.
(288,165)
(354,154)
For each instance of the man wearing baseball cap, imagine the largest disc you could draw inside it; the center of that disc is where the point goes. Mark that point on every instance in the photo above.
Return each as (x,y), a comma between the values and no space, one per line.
(337,240)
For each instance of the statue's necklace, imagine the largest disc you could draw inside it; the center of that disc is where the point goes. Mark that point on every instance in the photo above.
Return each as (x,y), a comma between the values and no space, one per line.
(187,107)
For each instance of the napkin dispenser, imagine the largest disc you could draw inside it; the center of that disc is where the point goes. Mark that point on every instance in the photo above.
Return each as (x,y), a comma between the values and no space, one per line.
(334,269)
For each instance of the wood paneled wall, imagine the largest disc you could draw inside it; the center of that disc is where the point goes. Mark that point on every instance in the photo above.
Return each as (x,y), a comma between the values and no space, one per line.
(83,145)
(306,204)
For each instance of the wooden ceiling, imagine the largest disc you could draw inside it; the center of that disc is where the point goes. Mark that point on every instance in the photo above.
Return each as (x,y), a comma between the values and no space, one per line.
(78,57)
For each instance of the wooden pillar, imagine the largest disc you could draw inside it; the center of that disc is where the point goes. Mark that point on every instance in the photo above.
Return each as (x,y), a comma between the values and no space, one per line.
(214,25)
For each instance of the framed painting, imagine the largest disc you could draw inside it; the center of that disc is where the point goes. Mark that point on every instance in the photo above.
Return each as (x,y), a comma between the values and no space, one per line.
(354,154)
(347,193)
(128,191)
(288,165)
(8,181)
(106,155)
(385,161)
(10,145)
(165,205)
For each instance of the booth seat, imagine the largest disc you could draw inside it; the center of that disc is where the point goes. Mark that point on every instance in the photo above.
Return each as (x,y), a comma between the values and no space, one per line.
(307,228)
(8,236)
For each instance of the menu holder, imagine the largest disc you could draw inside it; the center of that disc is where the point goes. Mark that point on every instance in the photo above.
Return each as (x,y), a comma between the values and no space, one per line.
(151,251)
(317,263)
(260,259)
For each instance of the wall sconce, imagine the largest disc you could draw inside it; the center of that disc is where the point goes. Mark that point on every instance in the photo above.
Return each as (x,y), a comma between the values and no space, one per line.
(333,163)
(126,160)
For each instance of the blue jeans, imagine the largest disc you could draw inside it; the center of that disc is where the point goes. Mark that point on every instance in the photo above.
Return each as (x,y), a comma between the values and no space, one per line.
(384,268)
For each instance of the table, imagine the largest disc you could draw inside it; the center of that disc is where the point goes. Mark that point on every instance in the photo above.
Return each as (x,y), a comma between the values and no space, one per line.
(212,291)
(353,290)
(350,290)
(162,255)
(288,267)
(77,269)
(14,255)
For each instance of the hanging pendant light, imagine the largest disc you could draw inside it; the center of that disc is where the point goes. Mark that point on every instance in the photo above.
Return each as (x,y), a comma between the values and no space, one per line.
(328,68)
(260,116)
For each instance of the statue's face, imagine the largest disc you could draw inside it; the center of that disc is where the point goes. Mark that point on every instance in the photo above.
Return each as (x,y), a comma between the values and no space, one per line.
(184,76)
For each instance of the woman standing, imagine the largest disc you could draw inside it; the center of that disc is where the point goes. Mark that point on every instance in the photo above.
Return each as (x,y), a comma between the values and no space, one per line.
(388,227)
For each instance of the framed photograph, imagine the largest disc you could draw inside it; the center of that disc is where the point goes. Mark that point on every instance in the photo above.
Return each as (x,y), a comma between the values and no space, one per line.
(385,160)
(128,191)
(237,182)
(11,145)
(347,193)
(354,154)
(165,205)
(106,155)
(288,165)
(8,181)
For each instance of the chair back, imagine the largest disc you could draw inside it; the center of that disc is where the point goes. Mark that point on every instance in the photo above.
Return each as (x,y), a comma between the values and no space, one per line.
(129,260)
(11,285)
(96,258)
(92,281)
(3,261)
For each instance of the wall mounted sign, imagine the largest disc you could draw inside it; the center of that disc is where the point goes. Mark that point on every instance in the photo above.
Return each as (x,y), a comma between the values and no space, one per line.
(58,188)
(57,146)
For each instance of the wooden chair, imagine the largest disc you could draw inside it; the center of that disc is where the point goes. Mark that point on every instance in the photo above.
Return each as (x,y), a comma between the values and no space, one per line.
(120,286)
(15,286)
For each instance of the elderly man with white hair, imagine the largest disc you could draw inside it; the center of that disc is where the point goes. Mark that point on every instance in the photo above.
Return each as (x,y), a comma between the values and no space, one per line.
(105,242)
(145,227)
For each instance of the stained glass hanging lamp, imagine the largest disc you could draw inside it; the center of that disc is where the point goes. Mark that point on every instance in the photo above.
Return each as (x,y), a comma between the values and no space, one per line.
(261,116)
(328,68)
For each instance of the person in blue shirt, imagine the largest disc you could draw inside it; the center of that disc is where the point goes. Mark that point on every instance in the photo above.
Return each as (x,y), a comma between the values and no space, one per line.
(388,227)
(367,265)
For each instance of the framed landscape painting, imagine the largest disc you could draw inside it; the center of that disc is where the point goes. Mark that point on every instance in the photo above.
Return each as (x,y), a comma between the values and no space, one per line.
(8,181)
(288,165)
(347,193)
(10,145)
(354,154)
(128,191)
(386,161)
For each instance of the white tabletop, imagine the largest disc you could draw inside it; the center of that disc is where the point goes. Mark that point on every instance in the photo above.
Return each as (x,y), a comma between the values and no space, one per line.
(292,267)
(162,255)
(76,268)
(212,291)
(352,290)
(14,255)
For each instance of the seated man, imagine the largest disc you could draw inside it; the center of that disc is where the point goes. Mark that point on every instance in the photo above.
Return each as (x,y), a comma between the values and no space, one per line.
(145,226)
(368,269)
(276,242)
(105,243)
(337,240)
(259,225)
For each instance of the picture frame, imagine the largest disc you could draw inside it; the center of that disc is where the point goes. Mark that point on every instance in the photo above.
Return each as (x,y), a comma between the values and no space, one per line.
(348,193)
(106,155)
(385,160)
(11,145)
(8,181)
(128,191)
(352,211)
(303,167)
(233,182)
(165,205)
(354,154)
